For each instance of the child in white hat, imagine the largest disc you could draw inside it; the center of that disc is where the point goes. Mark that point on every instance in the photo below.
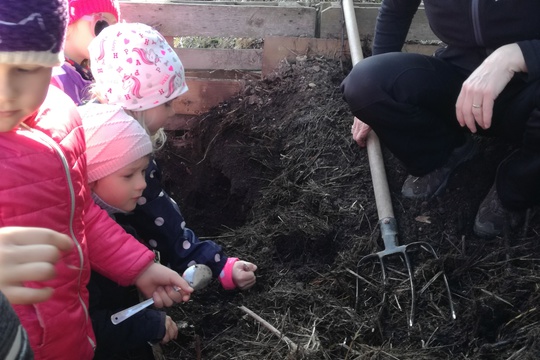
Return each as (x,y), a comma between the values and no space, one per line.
(134,67)
(118,151)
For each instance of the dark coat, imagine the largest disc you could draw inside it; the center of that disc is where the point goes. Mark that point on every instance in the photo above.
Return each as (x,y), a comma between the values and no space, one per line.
(470,29)
(159,222)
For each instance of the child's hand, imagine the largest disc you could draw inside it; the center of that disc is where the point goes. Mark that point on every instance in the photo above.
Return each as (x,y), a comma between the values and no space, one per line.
(160,282)
(171,330)
(243,274)
(29,254)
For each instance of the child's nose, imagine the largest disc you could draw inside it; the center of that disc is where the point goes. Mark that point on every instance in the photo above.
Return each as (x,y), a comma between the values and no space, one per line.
(141,183)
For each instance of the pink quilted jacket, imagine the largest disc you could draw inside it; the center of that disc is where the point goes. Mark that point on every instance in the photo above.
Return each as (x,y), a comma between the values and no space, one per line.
(43,183)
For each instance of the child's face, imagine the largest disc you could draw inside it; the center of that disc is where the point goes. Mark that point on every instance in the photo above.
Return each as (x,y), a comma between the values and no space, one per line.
(23,89)
(123,188)
(83,31)
(155,118)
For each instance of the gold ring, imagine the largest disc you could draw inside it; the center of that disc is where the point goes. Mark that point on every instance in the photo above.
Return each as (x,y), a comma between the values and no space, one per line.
(476,106)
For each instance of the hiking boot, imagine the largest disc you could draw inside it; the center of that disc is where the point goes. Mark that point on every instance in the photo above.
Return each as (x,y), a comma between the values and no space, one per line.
(434,183)
(492,216)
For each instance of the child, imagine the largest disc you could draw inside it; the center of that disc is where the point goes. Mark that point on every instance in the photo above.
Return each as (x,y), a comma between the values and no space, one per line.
(118,150)
(87,18)
(135,68)
(43,184)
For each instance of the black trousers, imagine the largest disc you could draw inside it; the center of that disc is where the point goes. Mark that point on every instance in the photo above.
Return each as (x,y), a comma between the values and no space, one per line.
(409,101)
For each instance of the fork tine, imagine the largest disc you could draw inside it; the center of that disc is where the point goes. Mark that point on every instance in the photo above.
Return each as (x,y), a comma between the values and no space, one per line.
(362,260)
(383,268)
(413,291)
(426,246)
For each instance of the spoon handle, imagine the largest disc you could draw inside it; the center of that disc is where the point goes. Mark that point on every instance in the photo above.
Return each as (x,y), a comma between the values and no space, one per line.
(120,316)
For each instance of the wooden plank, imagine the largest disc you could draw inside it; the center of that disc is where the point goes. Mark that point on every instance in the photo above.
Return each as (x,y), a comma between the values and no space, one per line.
(212,19)
(366,15)
(420,49)
(278,48)
(223,59)
(204,94)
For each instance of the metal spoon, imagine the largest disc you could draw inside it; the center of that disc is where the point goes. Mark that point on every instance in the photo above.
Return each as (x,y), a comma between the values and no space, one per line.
(198,277)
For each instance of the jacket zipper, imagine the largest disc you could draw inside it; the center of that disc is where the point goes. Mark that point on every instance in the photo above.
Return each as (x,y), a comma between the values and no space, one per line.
(65,165)
(476,22)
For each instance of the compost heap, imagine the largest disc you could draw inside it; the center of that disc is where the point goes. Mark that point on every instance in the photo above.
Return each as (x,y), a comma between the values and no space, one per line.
(275,178)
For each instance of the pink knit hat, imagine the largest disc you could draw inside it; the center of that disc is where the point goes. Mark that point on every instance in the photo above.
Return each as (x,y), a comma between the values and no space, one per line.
(134,67)
(80,8)
(113,139)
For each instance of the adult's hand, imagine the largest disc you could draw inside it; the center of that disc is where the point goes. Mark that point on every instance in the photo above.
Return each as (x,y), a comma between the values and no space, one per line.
(360,131)
(478,93)
(29,254)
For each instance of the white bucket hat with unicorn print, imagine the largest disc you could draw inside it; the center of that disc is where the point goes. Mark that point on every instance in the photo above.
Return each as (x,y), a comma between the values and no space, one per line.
(134,67)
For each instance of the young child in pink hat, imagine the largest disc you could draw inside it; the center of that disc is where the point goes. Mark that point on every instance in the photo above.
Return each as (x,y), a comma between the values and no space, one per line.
(118,151)
(87,18)
(44,185)
(136,69)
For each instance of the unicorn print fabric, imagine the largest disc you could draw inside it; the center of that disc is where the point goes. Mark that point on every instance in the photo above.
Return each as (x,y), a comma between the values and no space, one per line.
(156,66)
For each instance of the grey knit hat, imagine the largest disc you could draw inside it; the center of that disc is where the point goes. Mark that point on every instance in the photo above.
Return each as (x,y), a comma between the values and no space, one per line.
(32,32)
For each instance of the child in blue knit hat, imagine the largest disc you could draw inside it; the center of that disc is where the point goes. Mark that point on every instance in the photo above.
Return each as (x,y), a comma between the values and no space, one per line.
(42,153)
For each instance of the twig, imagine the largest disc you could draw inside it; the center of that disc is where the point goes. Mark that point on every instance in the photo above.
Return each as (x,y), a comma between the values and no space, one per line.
(496,297)
(198,352)
(516,354)
(292,346)
(208,147)
(362,278)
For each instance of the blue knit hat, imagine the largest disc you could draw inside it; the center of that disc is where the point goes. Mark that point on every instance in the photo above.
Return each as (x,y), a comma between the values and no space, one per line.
(32,32)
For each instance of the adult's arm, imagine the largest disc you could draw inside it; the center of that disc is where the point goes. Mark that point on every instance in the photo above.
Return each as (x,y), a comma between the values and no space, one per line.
(531,55)
(475,102)
(393,23)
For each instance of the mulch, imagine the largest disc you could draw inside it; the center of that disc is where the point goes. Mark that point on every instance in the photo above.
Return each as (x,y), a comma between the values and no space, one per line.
(275,178)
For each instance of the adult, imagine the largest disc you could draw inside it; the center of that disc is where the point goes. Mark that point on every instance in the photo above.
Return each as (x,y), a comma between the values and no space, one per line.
(484,80)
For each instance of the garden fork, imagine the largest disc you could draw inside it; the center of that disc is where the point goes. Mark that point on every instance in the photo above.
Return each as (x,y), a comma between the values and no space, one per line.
(388,227)
(387,222)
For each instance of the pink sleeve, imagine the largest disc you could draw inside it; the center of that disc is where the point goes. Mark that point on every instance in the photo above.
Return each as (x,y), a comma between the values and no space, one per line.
(225,277)
(113,252)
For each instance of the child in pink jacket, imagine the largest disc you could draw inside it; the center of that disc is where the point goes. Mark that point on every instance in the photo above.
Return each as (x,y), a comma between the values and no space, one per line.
(44,184)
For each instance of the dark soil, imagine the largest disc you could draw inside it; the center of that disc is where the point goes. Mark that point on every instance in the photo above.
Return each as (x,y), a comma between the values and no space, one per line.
(275,177)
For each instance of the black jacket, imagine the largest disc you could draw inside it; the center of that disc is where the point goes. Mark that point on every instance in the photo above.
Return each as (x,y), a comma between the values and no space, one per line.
(159,222)
(470,29)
